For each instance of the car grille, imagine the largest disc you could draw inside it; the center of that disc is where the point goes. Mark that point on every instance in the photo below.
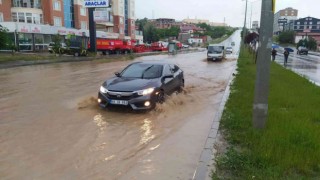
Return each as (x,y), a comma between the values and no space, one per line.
(121,95)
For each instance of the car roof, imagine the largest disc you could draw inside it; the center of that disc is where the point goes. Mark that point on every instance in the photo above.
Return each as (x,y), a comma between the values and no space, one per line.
(153,63)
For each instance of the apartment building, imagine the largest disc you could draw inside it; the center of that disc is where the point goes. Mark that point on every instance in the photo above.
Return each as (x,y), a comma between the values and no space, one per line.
(33,22)
(307,27)
(289,14)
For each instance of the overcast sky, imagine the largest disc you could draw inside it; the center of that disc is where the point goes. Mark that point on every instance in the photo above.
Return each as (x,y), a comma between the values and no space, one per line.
(217,10)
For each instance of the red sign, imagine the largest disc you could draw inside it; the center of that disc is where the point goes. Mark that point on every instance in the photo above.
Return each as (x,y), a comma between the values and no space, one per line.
(24,29)
(36,30)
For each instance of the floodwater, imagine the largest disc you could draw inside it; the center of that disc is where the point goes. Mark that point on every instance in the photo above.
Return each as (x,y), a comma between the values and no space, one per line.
(52,128)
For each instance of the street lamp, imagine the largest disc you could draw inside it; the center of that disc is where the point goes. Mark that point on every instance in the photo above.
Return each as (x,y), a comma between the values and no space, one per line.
(244,25)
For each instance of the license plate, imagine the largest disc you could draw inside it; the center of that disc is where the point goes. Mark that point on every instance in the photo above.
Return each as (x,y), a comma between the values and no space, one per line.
(119,102)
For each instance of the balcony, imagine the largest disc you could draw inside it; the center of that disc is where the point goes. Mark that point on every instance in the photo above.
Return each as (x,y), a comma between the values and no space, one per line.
(36,4)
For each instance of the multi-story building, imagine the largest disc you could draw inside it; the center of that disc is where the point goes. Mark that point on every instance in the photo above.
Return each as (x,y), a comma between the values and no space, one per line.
(33,22)
(164,23)
(288,14)
(307,27)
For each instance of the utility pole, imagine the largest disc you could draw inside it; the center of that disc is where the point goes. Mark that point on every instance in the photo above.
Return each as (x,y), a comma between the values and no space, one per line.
(92,31)
(244,25)
(251,17)
(260,106)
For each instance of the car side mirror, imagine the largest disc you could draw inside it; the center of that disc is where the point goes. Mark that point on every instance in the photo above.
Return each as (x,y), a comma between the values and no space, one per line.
(168,76)
(117,74)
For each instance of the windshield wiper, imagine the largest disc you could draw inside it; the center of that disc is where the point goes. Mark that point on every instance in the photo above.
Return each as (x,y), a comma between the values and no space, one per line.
(146,71)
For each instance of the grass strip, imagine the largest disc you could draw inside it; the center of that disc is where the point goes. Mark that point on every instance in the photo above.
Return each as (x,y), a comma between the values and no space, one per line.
(289,146)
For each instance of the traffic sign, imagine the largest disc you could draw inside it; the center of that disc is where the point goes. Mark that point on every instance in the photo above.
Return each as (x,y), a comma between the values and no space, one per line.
(282,20)
(96,3)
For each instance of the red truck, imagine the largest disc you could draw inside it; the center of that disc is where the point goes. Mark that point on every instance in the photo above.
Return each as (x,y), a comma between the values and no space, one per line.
(158,46)
(141,48)
(114,46)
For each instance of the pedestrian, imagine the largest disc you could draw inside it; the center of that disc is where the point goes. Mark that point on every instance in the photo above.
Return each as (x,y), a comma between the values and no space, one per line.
(273,53)
(286,55)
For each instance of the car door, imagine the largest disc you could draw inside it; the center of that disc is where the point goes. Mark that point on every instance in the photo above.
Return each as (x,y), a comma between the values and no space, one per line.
(167,83)
(177,75)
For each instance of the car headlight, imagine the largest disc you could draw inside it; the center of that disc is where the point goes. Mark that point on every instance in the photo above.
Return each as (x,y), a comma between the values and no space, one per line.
(103,90)
(145,91)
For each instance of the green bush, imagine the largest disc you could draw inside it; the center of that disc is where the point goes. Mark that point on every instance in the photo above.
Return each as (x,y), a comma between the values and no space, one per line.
(287,37)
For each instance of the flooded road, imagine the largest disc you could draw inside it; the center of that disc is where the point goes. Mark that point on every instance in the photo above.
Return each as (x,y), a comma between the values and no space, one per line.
(52,128)
(305,65)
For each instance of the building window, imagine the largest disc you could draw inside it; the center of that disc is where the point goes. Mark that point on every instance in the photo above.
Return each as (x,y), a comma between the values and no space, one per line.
(1,17)
(83,25)
(0,1)
(121,20)
(57,21)
(37,19)
(83,11)
(14,17)
(318,27)
(301,27)
(298,23)
(21,17)
(318,22)
(56,6)
(29,18)
(310,23)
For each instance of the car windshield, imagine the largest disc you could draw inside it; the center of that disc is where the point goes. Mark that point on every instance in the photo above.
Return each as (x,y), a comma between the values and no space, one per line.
(215,49)
(143,71)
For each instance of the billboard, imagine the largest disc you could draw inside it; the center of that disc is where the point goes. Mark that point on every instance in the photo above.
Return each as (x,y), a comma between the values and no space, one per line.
(101,16)
(96,3)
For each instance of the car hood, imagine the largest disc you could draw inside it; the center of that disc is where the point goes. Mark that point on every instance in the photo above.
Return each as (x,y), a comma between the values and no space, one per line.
(129,84)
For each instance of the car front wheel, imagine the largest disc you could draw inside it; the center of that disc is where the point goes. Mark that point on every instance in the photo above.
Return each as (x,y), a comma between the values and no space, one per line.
(160,97)
(180,88)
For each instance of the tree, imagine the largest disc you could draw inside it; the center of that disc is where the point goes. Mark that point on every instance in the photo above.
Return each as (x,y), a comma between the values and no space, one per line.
(150,33)
(287,37)
(251,37)
(171,32)
(140,23)
(312,44)
(56,39)
(4,40)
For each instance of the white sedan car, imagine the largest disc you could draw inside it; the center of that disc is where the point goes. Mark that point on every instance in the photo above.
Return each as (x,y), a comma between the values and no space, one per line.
(229,50)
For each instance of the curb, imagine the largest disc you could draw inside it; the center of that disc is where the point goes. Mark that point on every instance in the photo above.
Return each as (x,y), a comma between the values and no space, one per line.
(18,63)
(202,171)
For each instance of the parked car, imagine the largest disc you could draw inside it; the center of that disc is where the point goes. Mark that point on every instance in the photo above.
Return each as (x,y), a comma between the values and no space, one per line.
(141,85)
(51,45)
(302,50)
(215,52)
(229,50)
(185,45)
